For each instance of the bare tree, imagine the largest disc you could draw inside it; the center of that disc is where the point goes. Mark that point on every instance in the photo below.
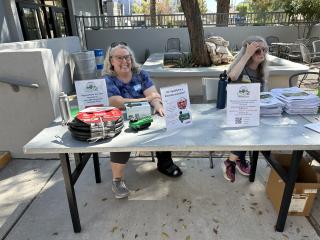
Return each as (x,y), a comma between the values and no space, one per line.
(194,23)
(153,13)
(223,12)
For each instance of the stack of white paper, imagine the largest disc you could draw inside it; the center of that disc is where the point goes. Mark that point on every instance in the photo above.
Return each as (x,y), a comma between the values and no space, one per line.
(270,105)
(297,101)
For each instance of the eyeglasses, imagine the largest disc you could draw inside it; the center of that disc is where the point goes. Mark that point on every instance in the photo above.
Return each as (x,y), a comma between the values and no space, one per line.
(120,58)
(114,44)
(261,50)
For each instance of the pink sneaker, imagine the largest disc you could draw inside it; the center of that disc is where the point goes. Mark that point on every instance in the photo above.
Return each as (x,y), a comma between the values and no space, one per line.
(243,167)
(229,170)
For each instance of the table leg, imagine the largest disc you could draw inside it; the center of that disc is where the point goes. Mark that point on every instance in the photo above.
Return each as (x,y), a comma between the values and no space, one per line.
(66,170)
(288,190)
(96,165)
(253,164)
(210,159)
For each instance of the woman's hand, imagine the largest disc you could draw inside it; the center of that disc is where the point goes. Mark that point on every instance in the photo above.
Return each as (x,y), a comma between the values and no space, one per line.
(252,48)
(157,105)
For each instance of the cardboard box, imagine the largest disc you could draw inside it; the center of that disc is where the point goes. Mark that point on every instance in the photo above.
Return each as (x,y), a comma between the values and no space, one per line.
(5,157)
(305,189)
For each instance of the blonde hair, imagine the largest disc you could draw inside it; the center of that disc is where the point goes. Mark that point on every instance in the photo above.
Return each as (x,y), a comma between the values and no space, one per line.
(108,69)
(262,67)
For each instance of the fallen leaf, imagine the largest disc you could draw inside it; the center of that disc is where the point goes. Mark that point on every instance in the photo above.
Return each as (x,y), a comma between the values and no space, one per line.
(184,226)
(215,231)
(114,229)
(188,237)
(285,236)
(165,235)
(215,220)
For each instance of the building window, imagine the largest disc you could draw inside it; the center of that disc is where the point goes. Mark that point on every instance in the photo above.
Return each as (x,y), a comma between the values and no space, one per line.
(41,19)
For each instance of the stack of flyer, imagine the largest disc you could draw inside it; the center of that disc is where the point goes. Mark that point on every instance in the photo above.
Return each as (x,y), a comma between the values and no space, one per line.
(270,105)
(297,101)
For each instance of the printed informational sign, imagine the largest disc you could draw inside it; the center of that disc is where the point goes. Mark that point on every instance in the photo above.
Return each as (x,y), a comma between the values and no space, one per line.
(176,104)
(91,93)
(243,105)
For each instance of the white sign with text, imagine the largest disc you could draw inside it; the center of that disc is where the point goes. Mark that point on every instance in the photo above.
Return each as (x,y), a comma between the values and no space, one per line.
(176,104)
(91,93)
(243,105)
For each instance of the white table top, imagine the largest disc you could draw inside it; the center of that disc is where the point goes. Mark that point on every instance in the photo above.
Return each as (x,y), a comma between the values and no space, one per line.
(208,132)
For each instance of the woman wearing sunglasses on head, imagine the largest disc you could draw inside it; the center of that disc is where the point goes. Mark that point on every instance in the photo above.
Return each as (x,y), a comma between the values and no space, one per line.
(126,82)
(248,66)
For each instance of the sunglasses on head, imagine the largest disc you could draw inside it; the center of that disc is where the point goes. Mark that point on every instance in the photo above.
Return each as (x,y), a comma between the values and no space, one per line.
(114,44)
(260,50)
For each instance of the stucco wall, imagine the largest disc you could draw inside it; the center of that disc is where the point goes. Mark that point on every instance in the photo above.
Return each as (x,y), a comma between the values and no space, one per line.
(61,49)
(26,112)
(155,39)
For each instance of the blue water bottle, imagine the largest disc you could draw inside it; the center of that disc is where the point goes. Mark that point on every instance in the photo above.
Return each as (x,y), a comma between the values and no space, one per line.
(222,90)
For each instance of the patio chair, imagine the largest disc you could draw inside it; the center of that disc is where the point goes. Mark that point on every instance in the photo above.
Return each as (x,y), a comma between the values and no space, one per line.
(310,41)
(310,58)
(173,50)
(173,45)
(290,53)
(309,81)
(272,49)
(316,46)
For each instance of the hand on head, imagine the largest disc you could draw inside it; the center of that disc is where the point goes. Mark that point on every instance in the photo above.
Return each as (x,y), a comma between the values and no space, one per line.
(252,48)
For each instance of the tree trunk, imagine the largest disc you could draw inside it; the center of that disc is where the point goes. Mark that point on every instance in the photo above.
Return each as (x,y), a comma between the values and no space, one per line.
(193,17)
(223,13)
(153,13)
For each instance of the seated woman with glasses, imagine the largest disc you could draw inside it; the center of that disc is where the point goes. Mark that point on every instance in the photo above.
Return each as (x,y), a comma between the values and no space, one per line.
(248,66)
(126,82)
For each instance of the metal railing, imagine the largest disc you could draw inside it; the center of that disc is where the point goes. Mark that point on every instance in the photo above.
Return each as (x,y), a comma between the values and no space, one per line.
(178,20)
(16,84)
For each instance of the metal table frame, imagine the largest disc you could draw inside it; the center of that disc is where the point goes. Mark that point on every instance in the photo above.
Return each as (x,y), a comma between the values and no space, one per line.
(56,139)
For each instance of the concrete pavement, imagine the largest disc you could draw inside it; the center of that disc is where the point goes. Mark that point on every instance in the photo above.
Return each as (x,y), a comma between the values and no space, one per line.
(199,205)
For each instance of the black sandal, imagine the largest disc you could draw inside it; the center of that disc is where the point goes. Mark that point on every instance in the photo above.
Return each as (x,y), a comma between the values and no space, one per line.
(171,171)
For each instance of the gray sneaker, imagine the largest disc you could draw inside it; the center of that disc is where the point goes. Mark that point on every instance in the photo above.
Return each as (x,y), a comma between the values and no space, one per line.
(119,188)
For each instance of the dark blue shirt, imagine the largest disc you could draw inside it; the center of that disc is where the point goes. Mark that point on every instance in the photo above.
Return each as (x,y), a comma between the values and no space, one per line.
(133,89)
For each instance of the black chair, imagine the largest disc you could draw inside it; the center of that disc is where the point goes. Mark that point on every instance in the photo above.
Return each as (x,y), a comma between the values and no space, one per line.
(173,45)
(291,53)
(309,81)
(272,49)
(173,50)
